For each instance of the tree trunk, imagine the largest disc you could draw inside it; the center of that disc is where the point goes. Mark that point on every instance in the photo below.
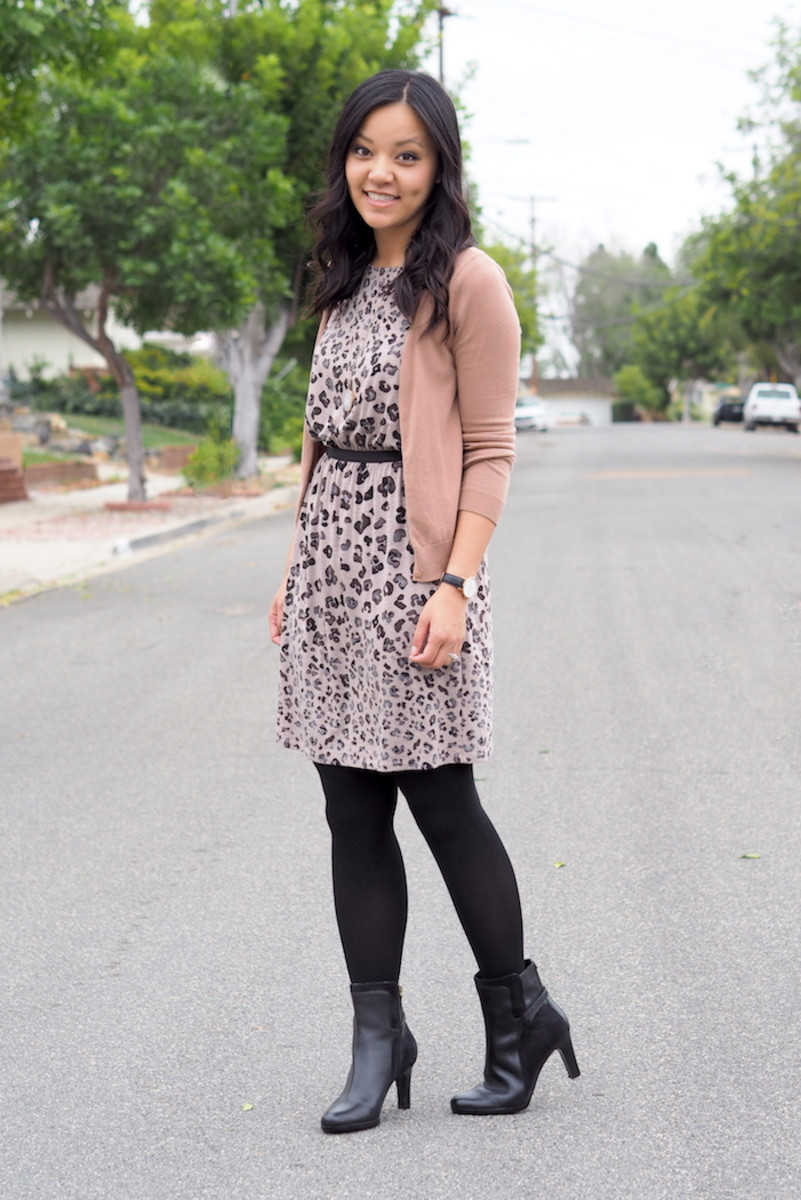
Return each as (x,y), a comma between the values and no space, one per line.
(123,376)
(134,446)
(789,356)
(61,306)
(248,355)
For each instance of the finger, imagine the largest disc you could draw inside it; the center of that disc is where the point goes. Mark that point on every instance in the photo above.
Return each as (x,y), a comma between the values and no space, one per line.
(276,622)
(433,654)
(420,638)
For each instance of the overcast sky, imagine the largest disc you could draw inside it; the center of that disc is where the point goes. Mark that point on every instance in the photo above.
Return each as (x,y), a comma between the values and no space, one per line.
(625,107)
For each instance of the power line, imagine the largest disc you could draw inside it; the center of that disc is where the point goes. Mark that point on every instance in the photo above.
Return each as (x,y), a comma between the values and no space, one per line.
(709,48)
(586,326)
(661,285)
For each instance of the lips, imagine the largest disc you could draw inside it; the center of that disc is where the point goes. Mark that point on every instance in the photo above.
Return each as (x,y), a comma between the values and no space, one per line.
(380,197)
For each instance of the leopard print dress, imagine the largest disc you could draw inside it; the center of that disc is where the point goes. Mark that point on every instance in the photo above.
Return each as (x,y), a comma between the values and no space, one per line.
(348,694)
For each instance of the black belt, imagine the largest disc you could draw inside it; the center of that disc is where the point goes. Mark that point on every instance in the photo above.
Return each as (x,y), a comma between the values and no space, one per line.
(363,455)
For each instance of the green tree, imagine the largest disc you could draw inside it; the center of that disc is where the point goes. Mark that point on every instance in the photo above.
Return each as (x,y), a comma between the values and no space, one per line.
(749,264)
(522,276)
(37,33)
(681,341)
(303,58)
(748,259)
(612,290)
(131,182)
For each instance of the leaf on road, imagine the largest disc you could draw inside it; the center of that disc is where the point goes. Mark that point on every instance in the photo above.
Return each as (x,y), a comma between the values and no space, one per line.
(750,856)
(246,1107)
(559,863)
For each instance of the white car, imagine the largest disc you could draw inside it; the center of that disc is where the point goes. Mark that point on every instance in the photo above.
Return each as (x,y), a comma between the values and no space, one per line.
(772,404)
(531,413)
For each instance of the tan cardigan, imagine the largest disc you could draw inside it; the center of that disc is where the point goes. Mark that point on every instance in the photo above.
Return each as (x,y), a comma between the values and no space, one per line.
(456,400)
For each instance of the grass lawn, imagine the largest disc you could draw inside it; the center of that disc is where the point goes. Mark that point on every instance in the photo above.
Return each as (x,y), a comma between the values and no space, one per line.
(30,457)
(152,435)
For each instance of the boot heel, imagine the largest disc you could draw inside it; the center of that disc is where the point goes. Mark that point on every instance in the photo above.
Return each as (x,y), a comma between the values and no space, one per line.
(569,1059)
(404,1086)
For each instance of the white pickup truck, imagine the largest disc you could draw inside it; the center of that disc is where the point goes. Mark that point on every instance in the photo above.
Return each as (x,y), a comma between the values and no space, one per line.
(772,404)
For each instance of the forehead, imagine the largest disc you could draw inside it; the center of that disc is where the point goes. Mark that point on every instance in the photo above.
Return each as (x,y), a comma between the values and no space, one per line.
(395,123)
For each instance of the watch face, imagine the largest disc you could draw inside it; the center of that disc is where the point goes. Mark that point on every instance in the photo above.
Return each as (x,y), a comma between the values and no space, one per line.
(470,587)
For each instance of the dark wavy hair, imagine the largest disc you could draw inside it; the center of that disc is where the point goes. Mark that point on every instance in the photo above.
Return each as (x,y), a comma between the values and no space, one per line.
(345,244)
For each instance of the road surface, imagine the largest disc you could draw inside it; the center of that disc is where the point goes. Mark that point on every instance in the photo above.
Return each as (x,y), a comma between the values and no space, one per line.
(175,1014)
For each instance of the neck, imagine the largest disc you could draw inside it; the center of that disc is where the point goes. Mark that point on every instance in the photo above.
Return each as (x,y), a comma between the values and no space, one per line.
(389,252)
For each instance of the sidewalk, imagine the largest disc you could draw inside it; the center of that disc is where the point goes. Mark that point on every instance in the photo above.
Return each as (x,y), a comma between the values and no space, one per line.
(61,537)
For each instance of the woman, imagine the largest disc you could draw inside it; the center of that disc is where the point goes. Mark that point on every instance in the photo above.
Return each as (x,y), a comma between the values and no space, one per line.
(383,615)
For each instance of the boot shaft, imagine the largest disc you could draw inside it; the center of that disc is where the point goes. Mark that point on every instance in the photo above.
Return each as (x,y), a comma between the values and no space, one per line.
(384,1051)
(523,1027)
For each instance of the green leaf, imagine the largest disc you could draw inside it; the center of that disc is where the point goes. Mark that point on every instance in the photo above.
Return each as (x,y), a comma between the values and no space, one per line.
(247,1107)
(750,856)
(559,863)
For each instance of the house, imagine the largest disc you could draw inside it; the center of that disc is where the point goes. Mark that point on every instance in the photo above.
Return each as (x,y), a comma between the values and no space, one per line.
(576,401)
(30,339)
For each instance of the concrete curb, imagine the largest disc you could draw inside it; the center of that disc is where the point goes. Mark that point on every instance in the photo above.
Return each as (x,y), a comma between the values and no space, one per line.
(148,540)
(108,556)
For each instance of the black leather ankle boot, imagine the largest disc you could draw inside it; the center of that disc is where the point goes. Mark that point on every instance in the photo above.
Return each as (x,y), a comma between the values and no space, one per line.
(524,1027)
(384,1053)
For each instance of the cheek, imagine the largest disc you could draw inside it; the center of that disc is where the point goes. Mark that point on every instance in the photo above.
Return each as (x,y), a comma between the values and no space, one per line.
(352,175)
(427,184)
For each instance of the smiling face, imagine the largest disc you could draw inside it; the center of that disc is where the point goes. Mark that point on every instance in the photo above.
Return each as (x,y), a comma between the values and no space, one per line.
(390,170)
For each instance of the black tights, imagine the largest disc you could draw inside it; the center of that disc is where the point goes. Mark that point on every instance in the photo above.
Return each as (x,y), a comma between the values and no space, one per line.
(370,880)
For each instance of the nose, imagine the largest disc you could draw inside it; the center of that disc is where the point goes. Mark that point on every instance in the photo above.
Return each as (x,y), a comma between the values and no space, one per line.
(381,168)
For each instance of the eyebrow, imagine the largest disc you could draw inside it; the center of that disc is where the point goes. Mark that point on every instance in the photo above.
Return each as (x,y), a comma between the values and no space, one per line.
(403,141)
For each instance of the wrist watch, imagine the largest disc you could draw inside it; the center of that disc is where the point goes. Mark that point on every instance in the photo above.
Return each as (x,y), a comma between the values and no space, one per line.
(468,587)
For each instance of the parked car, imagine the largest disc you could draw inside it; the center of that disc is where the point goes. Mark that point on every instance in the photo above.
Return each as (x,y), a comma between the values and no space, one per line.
(772,404)
(728,408)
(531,413)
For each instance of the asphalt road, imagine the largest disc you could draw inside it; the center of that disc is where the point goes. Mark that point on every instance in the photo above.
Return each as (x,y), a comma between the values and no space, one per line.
(174,1014)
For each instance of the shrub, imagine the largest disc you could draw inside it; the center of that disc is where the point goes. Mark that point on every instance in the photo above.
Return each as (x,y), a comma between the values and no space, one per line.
(283,402)
(634,386)
(214,460)
(178,390)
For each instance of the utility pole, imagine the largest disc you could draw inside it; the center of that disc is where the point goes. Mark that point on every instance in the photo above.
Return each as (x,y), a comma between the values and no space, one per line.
(442,13)
(534,380)
(532,223)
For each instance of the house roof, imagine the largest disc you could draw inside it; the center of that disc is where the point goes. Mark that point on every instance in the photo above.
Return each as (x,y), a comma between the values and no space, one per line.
(556,388)
(87,299)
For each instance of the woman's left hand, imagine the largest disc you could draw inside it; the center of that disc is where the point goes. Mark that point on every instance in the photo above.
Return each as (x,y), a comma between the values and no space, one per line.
(441,628)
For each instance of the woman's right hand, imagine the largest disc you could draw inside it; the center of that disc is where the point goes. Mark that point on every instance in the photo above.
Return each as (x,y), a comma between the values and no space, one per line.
(277,613)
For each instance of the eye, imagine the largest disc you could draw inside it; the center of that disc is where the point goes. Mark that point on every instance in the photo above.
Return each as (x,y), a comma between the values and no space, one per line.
(359,151)
(409,156)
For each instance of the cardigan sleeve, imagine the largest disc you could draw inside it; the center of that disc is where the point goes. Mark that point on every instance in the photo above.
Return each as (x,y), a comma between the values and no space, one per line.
(485,343)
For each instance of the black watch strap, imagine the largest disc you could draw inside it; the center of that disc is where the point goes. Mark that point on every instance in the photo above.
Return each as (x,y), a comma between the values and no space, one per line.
(467,587)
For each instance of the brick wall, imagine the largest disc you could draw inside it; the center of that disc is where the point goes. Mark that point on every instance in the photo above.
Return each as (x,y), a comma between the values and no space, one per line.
(52,474)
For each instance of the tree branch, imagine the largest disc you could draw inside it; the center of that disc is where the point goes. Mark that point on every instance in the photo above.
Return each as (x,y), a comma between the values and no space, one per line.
(61,307)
